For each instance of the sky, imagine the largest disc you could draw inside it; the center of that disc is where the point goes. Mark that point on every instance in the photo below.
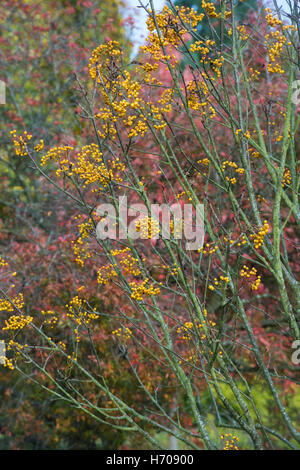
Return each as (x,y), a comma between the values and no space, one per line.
(139,32)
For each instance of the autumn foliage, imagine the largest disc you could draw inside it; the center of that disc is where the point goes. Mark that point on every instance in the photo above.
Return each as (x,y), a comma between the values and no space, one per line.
(140,335)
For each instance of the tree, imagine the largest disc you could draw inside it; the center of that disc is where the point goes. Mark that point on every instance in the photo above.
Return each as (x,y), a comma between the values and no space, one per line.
(43,46)
(157,336)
